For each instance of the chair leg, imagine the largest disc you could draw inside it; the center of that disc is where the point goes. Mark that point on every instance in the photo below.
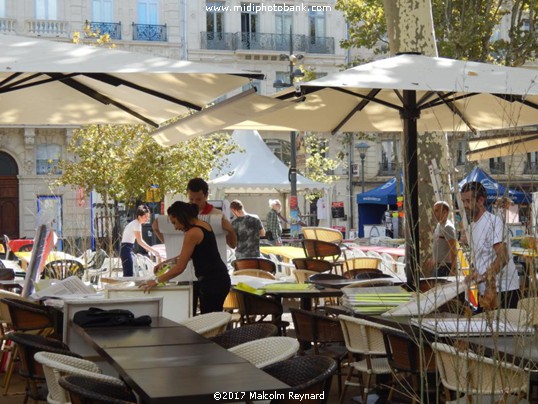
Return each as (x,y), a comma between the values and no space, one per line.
(365,387)
(9,369)
(346,384)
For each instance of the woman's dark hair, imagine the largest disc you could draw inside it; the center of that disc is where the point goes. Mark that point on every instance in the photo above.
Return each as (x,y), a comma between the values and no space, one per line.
(184,212)
(141,210)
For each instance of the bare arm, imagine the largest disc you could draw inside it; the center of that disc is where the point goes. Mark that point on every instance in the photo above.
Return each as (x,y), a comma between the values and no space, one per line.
(453,245)
(155,227)
(140,241)
(231,237)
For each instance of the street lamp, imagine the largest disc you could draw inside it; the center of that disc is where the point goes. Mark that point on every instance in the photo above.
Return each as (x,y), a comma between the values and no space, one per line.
(293,73)
(362,147)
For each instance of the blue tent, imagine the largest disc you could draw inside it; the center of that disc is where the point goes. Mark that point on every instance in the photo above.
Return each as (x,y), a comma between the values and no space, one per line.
(493,188)
(374,203)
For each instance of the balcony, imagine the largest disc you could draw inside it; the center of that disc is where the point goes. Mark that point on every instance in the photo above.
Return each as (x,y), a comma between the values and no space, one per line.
(113,29)
(497,167)
(7,25)
(531,167)
(387,168)
(150,32)
(266,42)
(217,40)
(48,28)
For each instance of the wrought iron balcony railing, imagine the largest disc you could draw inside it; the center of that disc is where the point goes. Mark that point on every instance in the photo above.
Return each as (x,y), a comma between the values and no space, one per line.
(150,32)
(387,168)
(320,44)
(113,29)
(217,40)
(497,167)
(531,167)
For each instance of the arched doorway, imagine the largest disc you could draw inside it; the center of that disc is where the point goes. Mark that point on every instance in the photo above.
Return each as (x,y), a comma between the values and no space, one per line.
(9,196)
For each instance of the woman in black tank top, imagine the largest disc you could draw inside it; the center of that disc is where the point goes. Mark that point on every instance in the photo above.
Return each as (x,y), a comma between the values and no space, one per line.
(199,245)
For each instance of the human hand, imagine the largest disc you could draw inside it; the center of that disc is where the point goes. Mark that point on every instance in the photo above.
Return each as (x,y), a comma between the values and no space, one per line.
(148,285)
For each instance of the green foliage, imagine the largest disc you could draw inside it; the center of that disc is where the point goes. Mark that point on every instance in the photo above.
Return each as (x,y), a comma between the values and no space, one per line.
(318,166)
(121,162)
(464,29)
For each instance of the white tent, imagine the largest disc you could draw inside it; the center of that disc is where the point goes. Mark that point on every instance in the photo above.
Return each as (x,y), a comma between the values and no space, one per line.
(256,169)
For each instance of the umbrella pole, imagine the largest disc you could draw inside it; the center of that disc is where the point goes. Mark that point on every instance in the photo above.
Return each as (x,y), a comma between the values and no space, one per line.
(410,114)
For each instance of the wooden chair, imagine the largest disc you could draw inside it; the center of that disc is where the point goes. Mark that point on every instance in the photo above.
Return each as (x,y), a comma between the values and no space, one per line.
(323,234)
(254,263)
(258,273)
(464,373)
(254,309)
(313,264)
(364,338)
(322,335)
(362,263)
(305,375)
(413,365)
(323,250)
(85,390)
(61,269)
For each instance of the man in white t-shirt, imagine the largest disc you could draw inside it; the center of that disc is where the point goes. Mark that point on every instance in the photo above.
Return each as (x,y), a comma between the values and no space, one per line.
(494,268)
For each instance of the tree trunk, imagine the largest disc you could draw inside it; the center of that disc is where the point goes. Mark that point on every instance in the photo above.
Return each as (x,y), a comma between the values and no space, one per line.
(410,29)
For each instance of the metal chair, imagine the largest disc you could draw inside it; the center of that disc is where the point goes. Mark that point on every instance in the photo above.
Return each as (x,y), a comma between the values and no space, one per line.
(363,338)
(208,324)
(305,375)
(61,269)
(254,263)
(322,334)
(57,365)
(245,333)
(264,352)
(254,309)
(467,374)
(85,390)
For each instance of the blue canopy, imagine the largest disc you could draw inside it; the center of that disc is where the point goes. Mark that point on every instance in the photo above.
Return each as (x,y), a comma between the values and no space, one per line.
(374,203)
(493,188)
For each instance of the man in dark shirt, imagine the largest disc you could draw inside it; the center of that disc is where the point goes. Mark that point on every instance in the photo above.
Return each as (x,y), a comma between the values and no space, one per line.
(249,229)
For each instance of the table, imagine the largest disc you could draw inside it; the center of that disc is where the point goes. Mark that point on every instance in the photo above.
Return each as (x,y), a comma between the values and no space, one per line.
(519,349)
(25,256)
(393,251)
(286,252)
(169,363)
(305,295)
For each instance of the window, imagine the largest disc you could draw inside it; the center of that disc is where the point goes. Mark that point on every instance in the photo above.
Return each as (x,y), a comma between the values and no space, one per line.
(316,23)
(102,10)
(148,12)
(215,19)
(46,10)
(2,8)
(8,166)
(283,20)
(390,150)
(281,149)
(47,159)
(496,165)
(249,27)
(461,149)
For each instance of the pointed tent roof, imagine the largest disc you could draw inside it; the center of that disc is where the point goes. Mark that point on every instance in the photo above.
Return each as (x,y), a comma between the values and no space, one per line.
(384,194)
(256,169)
(493,188)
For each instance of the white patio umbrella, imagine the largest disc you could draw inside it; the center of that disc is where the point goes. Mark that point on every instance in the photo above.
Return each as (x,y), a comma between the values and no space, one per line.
(503,145)
(52,83)
(409,93)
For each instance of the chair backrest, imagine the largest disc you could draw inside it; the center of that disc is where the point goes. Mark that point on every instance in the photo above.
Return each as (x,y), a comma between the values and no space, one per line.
(57,365)
(325,277)
(245,333)
(8,248)
(254,263)
(266,351)
(530,305)
(208,324)
(364,273)
(26,247)
(61,269)
(312,264)
(467,372)
(302,275)
(4,310)
(99,259)
(404,353)
(85,390)
(27,316)
(321,249)
(362,263)
(305,374)
(323,234)
(316,328)
(373,254)
(362,336)
(251,305)
(258,273)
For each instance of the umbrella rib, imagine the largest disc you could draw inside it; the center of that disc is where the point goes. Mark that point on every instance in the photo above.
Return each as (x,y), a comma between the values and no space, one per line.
(446,98)
(18,85)
(116,81)
(367,97)
(359,107)
(499,145)
(90,92)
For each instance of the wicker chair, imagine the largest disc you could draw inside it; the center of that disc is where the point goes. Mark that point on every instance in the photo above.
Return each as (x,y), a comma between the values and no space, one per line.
(323,233)
(27,346)
(364,338)
(265,351)
(258,273)
(305,375)
(61,269)
(410,363)
(57,365)
(323,334)
(364,273)
(85,390)
(466,373)
(323,250)
(312,264)
(255,309)
(245,333)
(254,263)
(209,324)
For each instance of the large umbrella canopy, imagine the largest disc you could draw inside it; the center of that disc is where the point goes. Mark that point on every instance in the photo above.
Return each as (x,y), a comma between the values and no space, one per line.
(503,145)
(51,83)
